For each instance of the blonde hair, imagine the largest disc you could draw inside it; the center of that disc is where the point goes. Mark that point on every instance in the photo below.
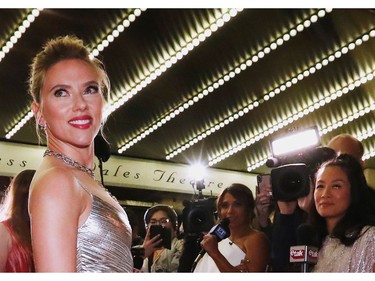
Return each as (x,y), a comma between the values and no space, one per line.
(54,51)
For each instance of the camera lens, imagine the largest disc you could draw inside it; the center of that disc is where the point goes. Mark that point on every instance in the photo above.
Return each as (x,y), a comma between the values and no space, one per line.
(290,182)
(198,217)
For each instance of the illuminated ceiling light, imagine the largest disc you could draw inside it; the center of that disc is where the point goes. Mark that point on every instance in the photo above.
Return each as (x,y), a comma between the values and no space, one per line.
(183,51)
(21,123)
(350,118)
(8,45)
(109,38)
(279,89)
(237,70)
(357,113)
(258,164)
(280,124)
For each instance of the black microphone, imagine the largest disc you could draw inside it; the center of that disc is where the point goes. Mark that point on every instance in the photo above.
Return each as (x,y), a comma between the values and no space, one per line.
(221,231)
(101,148)
(102,151)
(306,251)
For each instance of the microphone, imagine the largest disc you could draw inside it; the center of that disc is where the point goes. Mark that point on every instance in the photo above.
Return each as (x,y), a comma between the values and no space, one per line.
(220,231)
(101,148)
(306,251)
(102,151)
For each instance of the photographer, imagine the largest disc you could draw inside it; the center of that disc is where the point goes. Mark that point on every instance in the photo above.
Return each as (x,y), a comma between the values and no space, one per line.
(199,216)
(292,213)
(162,252)
(292,198)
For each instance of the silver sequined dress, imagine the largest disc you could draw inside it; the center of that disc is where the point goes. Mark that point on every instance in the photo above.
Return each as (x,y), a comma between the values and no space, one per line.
(104,240)
(336,257)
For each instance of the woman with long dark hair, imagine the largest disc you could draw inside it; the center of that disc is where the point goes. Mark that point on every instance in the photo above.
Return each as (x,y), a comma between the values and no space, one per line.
(344,217)
(246,249)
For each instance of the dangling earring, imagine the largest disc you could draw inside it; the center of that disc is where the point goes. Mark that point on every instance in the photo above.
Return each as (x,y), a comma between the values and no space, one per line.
(43,126)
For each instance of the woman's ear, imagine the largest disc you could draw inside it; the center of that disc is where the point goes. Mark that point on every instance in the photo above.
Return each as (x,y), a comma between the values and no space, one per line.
(36,108)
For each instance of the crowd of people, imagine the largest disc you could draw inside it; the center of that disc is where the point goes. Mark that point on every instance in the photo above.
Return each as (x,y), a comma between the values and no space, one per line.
(58,218)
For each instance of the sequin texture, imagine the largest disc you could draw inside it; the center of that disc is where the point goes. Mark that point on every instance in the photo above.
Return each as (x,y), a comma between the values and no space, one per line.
(336,257)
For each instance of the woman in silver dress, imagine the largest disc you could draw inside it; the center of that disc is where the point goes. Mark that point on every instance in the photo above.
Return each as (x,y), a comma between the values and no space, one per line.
(76,224)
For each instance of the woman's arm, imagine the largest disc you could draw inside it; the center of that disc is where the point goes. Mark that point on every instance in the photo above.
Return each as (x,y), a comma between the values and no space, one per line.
(257,257)
(55,207)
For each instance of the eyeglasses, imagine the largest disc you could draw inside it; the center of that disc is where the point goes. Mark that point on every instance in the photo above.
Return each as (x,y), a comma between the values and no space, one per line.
(162,221)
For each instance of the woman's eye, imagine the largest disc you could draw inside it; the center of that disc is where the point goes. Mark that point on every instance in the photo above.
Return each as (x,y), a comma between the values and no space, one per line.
(92,90)
(238,204)
(60,93)
(224,205)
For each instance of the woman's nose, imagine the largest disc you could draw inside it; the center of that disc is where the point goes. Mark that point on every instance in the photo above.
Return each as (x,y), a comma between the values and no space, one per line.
(79,102)
(324,193)
(230,209)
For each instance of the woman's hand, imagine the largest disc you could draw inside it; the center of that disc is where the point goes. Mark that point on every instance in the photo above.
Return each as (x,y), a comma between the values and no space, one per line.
(209,244)
(262,203)
(150,245)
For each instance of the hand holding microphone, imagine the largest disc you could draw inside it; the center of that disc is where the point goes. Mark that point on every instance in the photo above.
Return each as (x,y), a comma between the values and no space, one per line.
(220,231)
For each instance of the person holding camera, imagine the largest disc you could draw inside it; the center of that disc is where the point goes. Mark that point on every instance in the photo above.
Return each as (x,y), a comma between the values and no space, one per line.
(292,213)
(344,217)
(162,248)
(293,206)
(246,249)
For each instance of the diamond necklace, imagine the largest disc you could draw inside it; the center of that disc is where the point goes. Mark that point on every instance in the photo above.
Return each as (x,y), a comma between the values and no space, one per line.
(69,161)
(77,165)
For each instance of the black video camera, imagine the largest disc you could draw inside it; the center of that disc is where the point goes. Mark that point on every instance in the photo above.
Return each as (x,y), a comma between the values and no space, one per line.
(198,215)
(291,173)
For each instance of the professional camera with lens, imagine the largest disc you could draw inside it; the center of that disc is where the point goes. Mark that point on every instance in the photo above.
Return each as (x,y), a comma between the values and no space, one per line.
(291,173)
(198,215)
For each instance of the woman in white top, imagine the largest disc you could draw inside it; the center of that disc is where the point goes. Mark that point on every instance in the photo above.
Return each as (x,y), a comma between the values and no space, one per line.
(246,249)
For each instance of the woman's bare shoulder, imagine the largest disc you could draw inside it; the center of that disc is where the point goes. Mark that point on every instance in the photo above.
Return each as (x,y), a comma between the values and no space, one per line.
(55,184)
(256,236)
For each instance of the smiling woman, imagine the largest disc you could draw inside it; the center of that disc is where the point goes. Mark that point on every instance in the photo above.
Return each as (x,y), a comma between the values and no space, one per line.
(344,217)
(76,224)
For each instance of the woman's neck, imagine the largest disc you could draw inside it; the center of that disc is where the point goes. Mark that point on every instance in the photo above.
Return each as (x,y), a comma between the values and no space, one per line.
(331,224)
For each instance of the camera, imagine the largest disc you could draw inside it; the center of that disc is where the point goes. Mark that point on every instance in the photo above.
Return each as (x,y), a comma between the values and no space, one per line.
(290,182)
(291,173)
(198,215)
